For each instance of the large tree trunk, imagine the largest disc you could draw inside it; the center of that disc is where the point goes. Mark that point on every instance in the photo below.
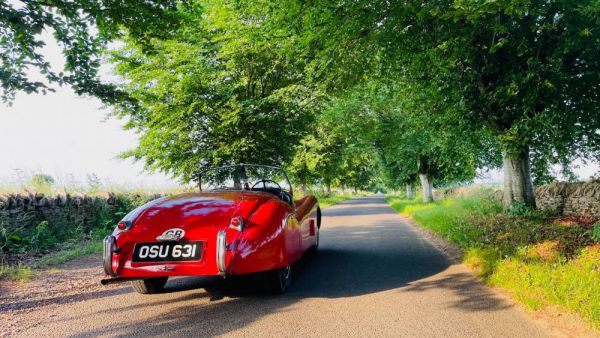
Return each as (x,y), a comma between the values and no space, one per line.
(303,185)
(427,187)
(328,188)
(518,187)
(409,192)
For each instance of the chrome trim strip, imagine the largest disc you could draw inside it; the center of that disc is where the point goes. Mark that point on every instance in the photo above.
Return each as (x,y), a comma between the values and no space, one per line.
(221,248)
(284,221)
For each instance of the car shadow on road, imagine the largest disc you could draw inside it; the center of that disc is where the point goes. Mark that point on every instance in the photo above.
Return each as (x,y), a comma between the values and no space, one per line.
(21,305)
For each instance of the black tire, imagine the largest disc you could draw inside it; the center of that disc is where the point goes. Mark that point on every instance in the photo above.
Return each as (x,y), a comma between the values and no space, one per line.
(149,286)
(279,280)
(315,247)
(318,218)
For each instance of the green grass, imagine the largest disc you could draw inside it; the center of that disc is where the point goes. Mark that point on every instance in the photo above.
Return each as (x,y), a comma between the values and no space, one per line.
(69,254)
(72,250)
(326,201)
(537,262)
(19,272)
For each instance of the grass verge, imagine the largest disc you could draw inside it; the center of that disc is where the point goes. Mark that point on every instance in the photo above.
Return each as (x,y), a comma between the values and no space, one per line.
(23,272)
(539,260)
(327,201)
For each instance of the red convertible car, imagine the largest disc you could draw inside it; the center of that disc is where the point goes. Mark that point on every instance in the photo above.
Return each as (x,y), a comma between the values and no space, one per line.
(243,220)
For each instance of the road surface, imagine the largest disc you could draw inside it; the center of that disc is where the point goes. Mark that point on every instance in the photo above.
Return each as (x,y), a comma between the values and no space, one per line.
(374,275)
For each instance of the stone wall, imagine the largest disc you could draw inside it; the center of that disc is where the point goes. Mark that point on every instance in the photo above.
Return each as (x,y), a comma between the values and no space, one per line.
(569,199)
(30,221)
(582,199)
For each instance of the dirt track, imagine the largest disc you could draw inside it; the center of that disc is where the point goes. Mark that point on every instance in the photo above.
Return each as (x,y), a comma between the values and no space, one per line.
(374,275)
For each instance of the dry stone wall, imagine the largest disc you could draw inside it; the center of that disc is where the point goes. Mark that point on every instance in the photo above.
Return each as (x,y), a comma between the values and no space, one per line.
(30,221)
(570,199)
(561,198)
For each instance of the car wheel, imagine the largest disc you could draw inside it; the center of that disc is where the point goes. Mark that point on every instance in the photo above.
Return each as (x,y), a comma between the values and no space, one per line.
(149,285)
(280,280)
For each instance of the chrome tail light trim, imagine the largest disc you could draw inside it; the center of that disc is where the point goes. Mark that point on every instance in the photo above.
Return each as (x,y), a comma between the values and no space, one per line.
(221,250)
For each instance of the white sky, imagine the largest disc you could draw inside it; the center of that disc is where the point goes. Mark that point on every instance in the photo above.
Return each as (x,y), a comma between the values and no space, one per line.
(68,136)
(61,133)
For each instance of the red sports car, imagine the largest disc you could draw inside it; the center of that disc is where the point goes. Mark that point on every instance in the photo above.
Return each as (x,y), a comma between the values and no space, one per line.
(243,220)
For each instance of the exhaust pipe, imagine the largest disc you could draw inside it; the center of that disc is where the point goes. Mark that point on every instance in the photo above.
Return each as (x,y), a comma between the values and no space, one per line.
(107,281)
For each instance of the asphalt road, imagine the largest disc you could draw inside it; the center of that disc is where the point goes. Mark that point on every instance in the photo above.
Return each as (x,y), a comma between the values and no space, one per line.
(374,275)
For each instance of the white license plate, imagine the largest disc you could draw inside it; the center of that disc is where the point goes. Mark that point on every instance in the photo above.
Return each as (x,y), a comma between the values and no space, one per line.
(167,252)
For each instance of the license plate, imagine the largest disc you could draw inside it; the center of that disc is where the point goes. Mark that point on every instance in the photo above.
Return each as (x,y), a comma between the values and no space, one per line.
(167,252)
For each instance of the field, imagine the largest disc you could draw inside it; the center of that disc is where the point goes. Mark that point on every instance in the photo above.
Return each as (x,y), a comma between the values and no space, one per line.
(540,260)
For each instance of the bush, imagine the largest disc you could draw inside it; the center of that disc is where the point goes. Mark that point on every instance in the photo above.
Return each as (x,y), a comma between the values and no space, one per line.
(42,183)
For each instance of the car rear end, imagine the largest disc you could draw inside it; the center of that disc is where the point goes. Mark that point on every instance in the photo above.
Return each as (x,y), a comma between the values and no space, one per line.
(184,235)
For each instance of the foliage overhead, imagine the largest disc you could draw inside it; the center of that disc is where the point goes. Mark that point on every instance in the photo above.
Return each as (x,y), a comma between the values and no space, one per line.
(82,29)
(351,93)
(220,91)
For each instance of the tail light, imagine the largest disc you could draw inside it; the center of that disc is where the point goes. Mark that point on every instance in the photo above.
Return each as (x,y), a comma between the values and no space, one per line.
(124,225)
(237,223)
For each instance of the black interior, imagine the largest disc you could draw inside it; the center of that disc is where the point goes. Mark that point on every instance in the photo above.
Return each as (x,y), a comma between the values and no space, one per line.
(274,188)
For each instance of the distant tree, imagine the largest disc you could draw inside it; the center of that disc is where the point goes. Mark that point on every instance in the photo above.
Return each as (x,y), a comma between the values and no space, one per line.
(303,165)
(42,183)
(93,181)
(82,29)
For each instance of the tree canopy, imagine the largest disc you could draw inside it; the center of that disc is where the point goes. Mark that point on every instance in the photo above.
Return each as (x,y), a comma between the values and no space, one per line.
(362,94)
(218,92)
(82,29)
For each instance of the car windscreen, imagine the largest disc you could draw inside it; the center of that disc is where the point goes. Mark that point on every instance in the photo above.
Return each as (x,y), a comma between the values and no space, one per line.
(244,177)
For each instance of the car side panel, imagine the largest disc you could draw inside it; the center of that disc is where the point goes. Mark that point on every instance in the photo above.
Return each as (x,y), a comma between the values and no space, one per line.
(306,213)
(267,242)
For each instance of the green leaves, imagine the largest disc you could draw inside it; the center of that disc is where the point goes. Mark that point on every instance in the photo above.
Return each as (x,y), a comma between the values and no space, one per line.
(82,29)
(216,93)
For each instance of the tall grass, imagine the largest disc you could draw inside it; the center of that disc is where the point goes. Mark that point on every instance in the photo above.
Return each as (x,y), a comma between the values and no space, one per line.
(537,261)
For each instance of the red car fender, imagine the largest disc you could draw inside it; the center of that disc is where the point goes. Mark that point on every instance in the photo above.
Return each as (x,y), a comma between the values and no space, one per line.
(269,240)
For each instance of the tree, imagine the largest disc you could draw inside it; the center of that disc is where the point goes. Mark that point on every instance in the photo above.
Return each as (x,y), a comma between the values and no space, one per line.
(42,183)
(528,73)
(416,144)
(82,29)
(220,91)
(306,157)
